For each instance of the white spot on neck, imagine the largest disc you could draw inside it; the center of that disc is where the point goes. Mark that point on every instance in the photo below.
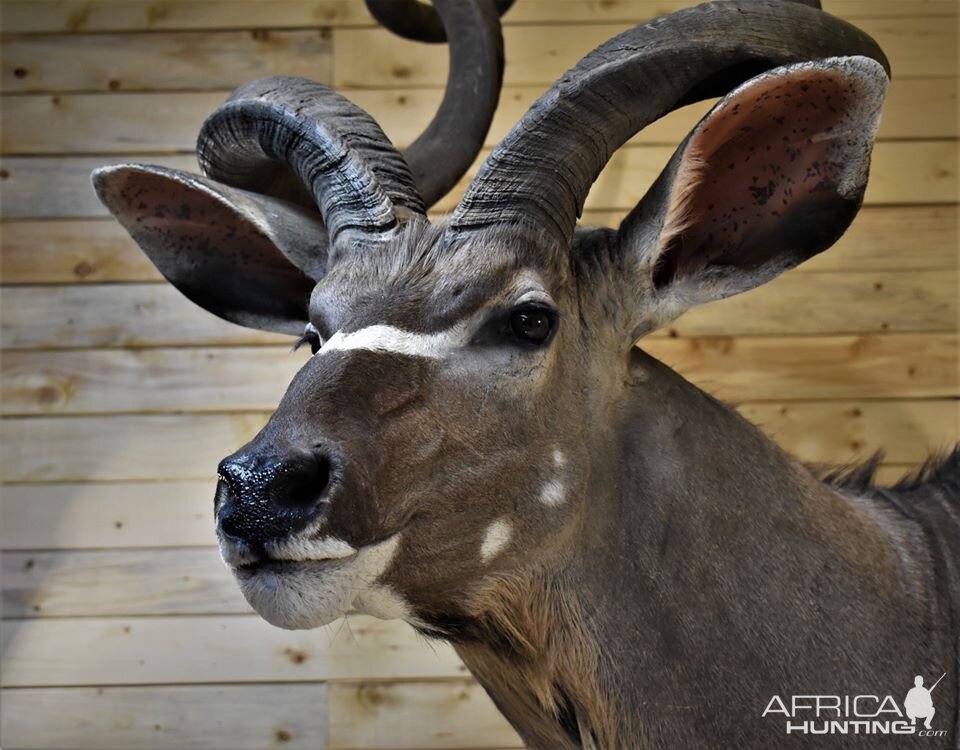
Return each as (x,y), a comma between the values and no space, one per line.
(553,493)
(495,539)
(384,338)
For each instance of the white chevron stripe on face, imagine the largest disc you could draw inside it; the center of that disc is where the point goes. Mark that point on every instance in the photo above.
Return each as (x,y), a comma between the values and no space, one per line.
(388,339)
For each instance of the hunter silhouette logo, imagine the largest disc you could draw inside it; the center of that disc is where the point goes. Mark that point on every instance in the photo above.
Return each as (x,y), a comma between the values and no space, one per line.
(858,714)
(918,703)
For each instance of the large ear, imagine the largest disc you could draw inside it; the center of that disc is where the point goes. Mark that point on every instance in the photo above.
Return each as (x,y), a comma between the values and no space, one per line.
(248,258)
(773,175)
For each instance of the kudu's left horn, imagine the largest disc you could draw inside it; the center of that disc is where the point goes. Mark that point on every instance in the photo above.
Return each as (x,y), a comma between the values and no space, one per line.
(296,139)
(273,127)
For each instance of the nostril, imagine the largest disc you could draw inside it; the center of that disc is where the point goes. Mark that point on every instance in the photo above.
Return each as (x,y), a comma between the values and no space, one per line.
(224,493)
(302,484)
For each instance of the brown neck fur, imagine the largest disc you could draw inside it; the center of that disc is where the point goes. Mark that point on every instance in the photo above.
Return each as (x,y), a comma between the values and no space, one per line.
(534,654)
(685,613)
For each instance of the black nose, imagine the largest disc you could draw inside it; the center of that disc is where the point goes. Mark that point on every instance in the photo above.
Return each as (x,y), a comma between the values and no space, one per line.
(265,497)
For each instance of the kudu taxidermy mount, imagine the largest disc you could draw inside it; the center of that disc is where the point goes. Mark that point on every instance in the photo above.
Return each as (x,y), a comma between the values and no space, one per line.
(478,447)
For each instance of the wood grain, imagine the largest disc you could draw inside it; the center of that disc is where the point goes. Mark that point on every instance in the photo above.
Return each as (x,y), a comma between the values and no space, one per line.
(882,238)
(83,16)
(906,431)
(416,715)
(211,60)
(907,172)
(147,380)
(214,649)
(165,122)
(133,448)
(105,123)
(110,583)
(204,717)
(71,251)
(827,302)
(800,368)
(107,515)
(122,315)
(921,47)
(75,16)
(121,448)
(98,381)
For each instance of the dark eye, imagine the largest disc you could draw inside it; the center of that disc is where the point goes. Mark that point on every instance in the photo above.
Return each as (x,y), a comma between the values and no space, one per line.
(532,323)
(310,336)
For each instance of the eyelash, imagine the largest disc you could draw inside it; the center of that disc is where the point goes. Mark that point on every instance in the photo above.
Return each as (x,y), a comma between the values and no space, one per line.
(310,336)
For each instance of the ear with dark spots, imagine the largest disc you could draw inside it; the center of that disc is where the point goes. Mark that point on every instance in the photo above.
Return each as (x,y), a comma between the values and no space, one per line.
(250,259)
(773,175)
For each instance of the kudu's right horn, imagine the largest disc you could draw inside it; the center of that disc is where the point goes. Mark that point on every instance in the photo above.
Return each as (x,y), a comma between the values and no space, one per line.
(539,175)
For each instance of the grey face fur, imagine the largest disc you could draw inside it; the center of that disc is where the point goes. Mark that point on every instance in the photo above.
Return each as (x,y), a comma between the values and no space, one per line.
(476,446)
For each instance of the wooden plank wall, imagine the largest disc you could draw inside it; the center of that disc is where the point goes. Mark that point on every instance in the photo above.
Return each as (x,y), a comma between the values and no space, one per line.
(122,629)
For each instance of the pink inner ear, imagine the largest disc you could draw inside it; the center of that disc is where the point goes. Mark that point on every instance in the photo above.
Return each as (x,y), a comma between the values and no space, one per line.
(217,245)
(773,152)
(187,222)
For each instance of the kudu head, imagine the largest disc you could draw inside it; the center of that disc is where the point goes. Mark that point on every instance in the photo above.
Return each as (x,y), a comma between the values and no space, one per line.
(451,422)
